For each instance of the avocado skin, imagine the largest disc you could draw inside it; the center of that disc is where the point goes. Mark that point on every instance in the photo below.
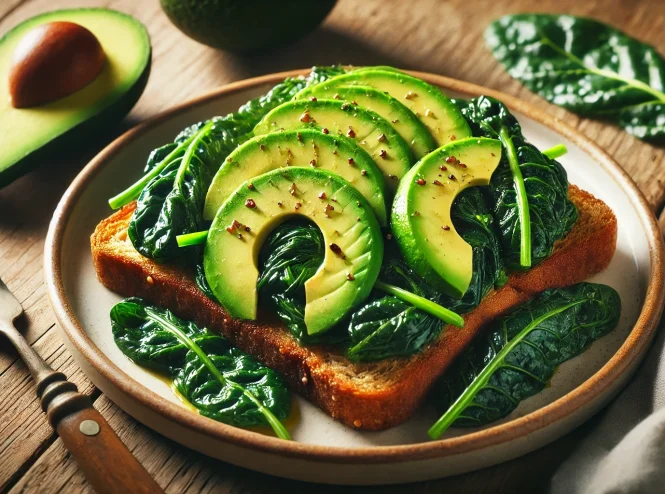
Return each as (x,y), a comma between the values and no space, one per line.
(247,26)
(73,137)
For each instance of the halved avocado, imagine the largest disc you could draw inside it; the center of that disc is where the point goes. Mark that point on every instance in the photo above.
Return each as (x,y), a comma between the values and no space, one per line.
(354,246)
(305,148)
(405,122)
(368,129)
(434,109)
(31,135)
(421,219)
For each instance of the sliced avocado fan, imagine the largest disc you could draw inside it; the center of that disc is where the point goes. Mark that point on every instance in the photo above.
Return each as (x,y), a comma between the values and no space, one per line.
(435,110)
(420,217)
(405,122)
(354,246)
(308,148)
(368,129)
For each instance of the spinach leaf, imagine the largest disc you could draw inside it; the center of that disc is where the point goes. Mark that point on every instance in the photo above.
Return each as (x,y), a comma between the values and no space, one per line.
(517,355)
(292,254)
(585,66)
(551,213)
(387,327)
(170,202)
(222,382)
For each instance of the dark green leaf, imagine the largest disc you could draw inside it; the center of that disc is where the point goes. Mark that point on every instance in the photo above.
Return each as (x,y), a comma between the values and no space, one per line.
(517,354)
(585,66)
(219,380)
(552,214)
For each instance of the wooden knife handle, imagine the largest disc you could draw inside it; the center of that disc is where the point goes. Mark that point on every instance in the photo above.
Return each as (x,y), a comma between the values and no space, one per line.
(106,462)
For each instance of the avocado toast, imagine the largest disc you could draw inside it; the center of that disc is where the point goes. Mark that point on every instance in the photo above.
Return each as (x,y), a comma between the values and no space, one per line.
(377,393)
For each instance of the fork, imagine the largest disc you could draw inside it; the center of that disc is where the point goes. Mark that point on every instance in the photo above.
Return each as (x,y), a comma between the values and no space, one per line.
(106,462)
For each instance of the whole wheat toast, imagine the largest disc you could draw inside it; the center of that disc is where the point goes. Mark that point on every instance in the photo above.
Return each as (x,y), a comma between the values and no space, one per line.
(373,395)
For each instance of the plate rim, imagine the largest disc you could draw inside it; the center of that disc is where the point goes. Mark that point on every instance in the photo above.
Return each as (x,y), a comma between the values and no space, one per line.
(622,361)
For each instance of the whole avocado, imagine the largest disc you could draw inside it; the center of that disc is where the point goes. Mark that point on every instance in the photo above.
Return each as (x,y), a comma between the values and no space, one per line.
(246,26)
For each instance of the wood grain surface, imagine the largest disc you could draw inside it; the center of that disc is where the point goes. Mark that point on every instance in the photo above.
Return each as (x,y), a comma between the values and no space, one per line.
(443,37)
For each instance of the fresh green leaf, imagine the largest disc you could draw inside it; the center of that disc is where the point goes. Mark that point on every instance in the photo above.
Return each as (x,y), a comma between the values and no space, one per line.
(388,327)
(551,213)
(517,355)
(222,382)
(585,66)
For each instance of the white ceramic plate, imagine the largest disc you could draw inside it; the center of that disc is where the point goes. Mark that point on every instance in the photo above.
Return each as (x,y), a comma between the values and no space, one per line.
(325,450)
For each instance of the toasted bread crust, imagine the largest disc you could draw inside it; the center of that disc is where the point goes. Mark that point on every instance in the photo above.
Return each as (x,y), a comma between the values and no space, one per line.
(370,396)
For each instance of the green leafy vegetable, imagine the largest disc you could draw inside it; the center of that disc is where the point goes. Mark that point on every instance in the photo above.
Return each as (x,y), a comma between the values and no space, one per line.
(172,192)
(585,66)
(388,327)
(545,183)
(219,380)
(291,255)
(518,354)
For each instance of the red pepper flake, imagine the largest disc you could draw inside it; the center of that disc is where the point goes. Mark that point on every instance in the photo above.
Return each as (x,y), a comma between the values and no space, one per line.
(298,206)
(280,204)
(452,137)
(312,162)
(262,147)
(493,154)
(337,250)
(323,195)
(451,160)
(383,153)
(351,133)
(327,209)
(410,95)
(358,219)
(240,236)
(421,181)
(232,228)
(248,229)
(336,96)
(249,203)
(354,103)
(445,227)
(416,213)
(436,182)
(394,177)
(292,189)
(313,98)
(229,229)
(381,138)
(429,113)
(395,121)
(333,199)
(443,168)
(452,177)
(324,130)
(299,137)
(345,106)
(350,277)
(351,161)
(305,118)
(363,172)
(250,186)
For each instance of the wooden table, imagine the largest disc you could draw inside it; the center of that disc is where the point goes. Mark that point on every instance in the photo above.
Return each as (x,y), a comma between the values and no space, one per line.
(437,36)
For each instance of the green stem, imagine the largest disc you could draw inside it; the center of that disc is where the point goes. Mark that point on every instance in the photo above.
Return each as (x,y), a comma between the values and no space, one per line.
(483,377)
(556,151)
(189,154)
(434,309)
(132,192)
(196,238)
(522,200)
(274,422)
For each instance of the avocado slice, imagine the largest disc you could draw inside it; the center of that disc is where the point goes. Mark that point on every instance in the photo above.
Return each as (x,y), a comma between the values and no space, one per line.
(368,129)
(306,148)
(350,230)
(420,216)
(435,110)
(405,122)
(31,135)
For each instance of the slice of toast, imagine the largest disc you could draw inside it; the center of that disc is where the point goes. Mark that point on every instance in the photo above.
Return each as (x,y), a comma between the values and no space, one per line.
(371,396)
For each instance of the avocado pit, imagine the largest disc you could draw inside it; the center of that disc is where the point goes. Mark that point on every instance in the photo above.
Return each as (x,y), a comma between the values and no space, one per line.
(52,61)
